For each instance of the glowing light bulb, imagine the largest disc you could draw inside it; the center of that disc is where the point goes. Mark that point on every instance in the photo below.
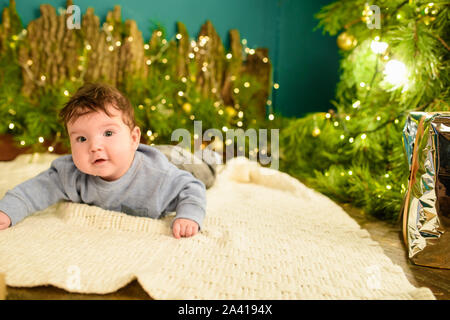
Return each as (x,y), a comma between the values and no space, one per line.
(396,73)
(271,117)
(378,47)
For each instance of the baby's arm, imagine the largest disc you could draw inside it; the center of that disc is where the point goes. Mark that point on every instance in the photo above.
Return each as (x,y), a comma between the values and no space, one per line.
(5,221)
(186,195)
(33,195)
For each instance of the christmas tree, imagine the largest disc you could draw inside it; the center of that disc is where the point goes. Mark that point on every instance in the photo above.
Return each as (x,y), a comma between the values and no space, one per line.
(395,59)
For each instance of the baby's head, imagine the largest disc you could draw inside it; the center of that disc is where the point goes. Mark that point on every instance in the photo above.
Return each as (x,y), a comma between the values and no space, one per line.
(102,131)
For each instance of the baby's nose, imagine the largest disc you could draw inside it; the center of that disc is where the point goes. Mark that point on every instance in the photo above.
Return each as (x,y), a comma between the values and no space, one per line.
(95,146)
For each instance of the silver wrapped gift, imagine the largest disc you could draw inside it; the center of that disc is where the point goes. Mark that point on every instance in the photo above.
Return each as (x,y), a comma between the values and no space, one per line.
(426,208)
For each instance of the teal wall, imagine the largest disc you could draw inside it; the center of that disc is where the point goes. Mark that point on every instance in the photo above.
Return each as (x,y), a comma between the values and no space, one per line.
(305,62)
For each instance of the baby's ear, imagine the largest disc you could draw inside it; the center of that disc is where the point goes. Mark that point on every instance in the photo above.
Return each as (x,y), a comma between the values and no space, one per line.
(136,136)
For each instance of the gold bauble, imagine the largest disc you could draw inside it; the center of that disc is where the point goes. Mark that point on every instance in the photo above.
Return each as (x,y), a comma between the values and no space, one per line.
(346,41)
(187,107)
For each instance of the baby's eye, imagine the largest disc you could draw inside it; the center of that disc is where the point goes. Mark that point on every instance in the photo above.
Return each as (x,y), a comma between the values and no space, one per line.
(108,133)
(80,139)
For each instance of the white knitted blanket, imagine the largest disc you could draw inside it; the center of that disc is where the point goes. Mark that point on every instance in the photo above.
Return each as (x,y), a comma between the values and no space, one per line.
(265,236)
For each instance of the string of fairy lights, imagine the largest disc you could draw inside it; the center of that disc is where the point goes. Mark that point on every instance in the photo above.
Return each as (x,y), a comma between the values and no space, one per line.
(112,43)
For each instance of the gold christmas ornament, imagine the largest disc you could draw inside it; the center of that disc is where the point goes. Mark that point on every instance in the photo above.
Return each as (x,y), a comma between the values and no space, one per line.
(187,107)
(346,41)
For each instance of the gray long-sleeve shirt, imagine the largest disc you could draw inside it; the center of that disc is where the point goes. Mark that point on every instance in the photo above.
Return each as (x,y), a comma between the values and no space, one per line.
(151,187)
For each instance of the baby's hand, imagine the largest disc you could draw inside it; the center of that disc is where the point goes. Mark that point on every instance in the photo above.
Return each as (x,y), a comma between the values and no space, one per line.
(5,221)
(184,228)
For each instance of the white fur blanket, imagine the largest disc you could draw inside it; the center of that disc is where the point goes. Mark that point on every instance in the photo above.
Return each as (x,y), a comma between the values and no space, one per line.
(264,237)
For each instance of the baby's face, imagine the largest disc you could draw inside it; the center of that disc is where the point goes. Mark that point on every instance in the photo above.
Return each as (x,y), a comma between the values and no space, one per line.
(101,145)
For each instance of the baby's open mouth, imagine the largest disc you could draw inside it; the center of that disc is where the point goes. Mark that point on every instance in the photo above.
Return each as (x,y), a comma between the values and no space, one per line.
(99,161)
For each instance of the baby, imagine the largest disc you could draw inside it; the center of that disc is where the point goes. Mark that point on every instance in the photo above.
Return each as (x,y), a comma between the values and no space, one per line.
(109,168)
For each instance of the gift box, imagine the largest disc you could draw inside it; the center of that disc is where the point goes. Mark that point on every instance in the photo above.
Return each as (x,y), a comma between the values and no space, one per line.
(426,207)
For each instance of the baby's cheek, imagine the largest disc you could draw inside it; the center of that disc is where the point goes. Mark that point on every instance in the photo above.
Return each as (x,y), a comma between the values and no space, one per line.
(80,163)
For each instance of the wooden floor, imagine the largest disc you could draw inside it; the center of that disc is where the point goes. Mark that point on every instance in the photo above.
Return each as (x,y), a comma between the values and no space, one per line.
(387,235)
(390,239)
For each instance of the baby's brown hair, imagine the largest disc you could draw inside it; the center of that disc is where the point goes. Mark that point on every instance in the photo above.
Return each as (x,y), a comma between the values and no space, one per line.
(94,97)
